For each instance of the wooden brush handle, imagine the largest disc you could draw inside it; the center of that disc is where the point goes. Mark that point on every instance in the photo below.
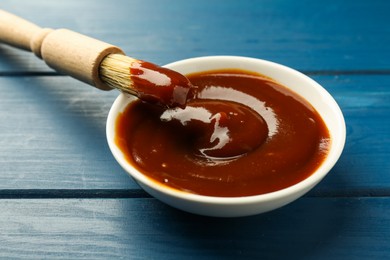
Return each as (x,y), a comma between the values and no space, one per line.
(65,51)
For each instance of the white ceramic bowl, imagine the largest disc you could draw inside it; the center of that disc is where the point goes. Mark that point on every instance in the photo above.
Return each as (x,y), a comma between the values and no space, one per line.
(320,99)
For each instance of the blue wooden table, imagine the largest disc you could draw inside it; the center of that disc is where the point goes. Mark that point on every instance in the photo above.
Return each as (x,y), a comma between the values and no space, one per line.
(62,195)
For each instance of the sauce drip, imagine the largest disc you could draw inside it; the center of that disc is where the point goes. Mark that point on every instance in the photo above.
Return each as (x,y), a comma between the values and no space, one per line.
(160,85)
(241,134)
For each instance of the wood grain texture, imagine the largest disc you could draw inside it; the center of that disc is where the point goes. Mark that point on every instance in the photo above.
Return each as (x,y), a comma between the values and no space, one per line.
(364,166)
(52,135)
(307,35)
(353,228)
(63,196)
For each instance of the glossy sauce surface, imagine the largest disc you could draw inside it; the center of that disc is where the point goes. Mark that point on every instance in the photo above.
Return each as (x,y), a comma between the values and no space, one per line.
(242,134)
(160,85)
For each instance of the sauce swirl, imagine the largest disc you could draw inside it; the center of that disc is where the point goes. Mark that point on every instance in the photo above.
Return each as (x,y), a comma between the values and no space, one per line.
(241,134)
(217,128)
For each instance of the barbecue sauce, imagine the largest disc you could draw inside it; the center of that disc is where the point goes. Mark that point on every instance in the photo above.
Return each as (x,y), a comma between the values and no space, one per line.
(159,85)
(241,134)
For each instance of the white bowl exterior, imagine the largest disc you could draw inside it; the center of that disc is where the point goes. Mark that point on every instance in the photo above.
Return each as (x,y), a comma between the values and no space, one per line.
(320,99)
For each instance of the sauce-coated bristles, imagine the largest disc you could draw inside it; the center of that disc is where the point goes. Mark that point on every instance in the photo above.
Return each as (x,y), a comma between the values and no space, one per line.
(115,72)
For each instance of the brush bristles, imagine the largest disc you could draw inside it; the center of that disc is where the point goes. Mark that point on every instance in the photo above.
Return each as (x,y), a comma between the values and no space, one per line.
(115,72)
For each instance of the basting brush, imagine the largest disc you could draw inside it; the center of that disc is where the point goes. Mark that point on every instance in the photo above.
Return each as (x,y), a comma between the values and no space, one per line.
(94,62)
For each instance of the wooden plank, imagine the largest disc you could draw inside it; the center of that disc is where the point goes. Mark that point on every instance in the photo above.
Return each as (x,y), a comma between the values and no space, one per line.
(62,195)
(308,35)
(310,228)
(364,164)
(52,135)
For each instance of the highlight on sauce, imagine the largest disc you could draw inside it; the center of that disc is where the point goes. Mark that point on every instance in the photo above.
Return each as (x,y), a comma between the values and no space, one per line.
(160,85)
(241,134)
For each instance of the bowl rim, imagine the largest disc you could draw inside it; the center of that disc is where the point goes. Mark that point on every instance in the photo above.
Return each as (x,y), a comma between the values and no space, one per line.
(306,184)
